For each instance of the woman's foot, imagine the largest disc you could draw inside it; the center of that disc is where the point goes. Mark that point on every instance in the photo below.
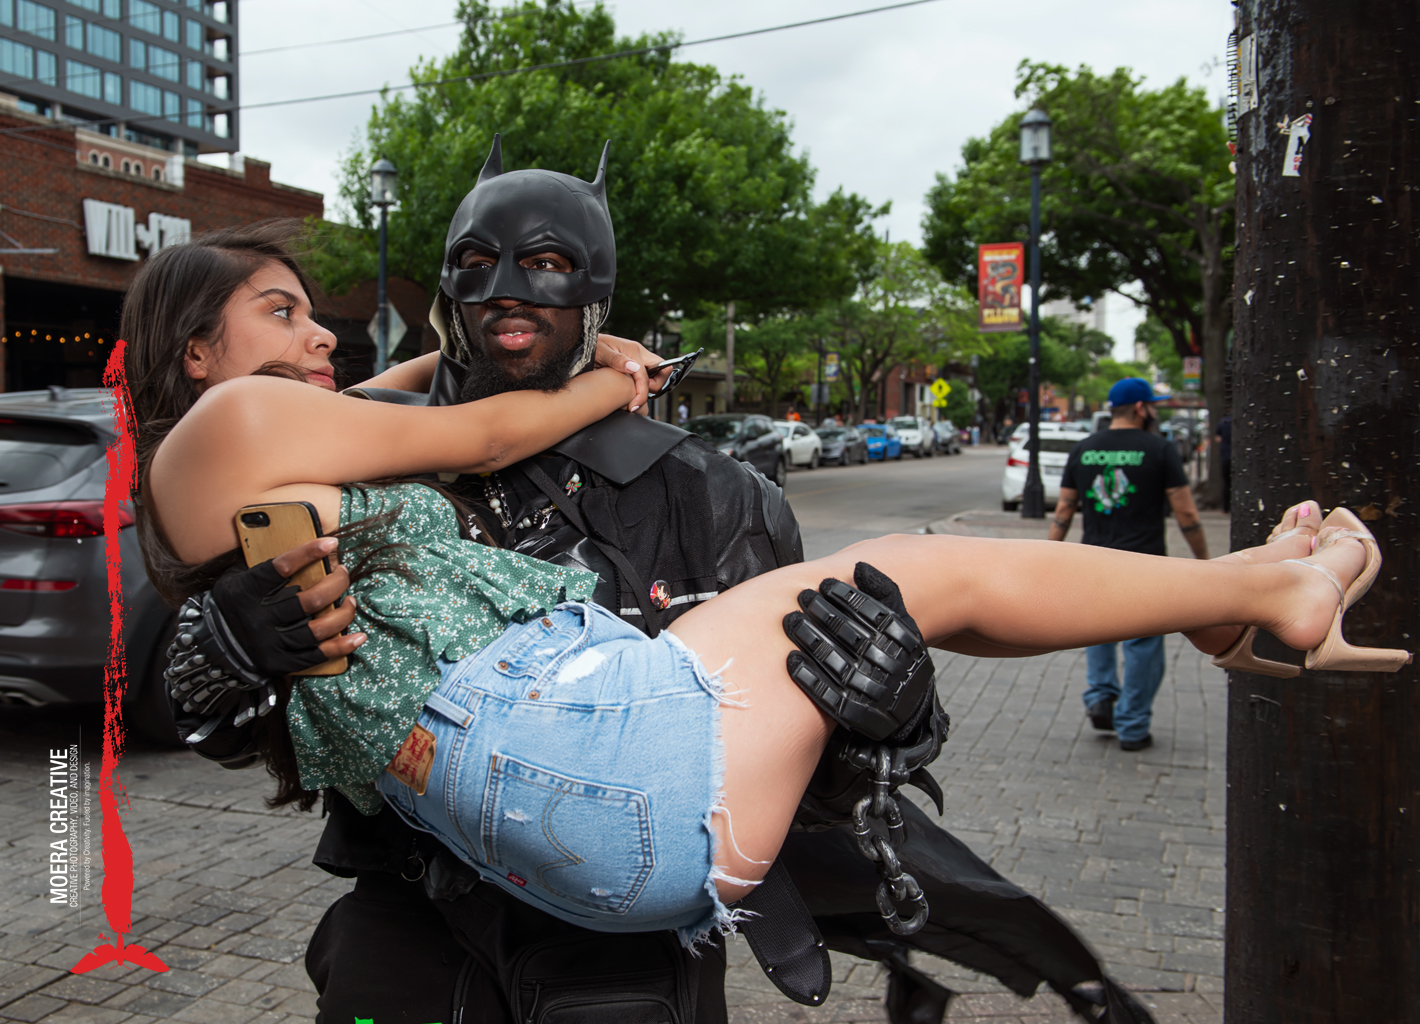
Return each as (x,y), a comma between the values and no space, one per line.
(1294,536)
(1313,596)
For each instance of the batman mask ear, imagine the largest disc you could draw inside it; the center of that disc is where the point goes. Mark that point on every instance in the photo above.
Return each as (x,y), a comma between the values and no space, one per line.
(599,182)
(493,166)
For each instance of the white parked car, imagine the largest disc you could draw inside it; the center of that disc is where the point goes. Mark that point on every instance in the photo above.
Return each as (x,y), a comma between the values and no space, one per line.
(804,447)
(1057,440)
(916,434)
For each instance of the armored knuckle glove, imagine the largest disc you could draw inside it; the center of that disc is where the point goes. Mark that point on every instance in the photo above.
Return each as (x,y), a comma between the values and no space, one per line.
(232,643)
(861,658)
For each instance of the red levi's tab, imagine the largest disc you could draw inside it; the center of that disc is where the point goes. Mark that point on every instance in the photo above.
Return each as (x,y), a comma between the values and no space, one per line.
(516,880)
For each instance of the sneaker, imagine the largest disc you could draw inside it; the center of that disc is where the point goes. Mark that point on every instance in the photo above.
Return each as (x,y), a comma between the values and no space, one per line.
(1102,714)
(1140,744)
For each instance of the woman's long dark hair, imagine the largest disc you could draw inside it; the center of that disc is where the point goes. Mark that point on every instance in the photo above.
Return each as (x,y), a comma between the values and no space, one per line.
(178,295)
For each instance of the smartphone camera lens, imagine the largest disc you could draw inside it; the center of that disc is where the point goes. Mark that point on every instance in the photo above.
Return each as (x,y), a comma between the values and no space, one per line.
(255,519)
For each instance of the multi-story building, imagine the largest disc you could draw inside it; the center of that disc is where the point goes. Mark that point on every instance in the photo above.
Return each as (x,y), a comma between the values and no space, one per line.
(157,73)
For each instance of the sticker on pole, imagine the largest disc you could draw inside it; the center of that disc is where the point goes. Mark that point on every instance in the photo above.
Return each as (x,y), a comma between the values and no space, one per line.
(1299,133)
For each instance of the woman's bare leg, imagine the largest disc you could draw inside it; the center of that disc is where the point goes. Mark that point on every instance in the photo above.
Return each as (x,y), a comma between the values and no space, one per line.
(1033,595)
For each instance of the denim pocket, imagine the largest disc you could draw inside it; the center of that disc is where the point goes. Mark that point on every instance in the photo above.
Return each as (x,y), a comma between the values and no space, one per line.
(582,842)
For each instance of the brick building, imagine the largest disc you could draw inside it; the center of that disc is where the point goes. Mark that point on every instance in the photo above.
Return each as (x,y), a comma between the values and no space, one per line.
(79,210)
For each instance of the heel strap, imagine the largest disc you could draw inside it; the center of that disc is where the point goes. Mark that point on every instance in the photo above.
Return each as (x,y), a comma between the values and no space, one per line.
(1309,530)
(1335,580)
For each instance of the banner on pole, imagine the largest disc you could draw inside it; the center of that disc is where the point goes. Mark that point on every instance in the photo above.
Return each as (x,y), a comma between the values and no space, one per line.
(1192,373)
(830,366)
(1001,270)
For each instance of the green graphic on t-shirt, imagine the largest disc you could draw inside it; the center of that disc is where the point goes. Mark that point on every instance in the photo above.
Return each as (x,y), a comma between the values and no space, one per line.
(1111,490)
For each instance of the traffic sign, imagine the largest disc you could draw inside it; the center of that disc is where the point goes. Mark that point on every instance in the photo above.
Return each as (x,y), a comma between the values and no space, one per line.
(397,330)
(941,389)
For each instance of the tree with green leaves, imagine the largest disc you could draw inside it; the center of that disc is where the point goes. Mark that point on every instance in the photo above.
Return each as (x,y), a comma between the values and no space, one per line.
(1139,188)
(903,312)
(709,199)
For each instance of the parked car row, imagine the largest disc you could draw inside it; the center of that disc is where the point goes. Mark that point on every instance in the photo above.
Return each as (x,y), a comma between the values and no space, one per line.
(1057,441)
(773,446)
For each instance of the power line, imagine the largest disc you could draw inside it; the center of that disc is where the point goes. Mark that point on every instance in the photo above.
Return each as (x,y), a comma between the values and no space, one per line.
(352,39)
(504,16)
(552,65)
(577,62)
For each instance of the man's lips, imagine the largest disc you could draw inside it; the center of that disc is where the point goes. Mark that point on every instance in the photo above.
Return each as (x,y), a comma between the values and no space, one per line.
(514,334)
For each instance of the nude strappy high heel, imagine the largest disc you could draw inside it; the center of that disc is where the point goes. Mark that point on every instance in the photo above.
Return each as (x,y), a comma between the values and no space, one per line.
(1239,656)
(1334,653)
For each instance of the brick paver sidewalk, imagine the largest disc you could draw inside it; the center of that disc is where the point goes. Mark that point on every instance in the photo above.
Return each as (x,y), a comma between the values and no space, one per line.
(1128,847)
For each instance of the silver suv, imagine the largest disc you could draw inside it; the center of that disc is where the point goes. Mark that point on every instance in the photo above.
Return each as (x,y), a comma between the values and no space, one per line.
(54,606)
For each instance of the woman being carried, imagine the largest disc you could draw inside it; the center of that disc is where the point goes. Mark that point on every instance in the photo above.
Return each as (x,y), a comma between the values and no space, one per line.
(606,777)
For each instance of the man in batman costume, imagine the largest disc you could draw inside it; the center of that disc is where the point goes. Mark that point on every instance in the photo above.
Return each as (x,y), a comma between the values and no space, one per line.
(666,522)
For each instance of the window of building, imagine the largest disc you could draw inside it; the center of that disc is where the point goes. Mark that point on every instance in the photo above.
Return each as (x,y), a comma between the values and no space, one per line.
(35,19)
(164,63)
(145,16)
(221,48)
(113,8)
(220,87)
(220,126)
(170,26)
(194,113)
(172,106)
(137,54)
(113,89)
(145,98)
(88,5)
(195,5)
(106,161)
(94,157)
(85,79)
(137,168)
(195,79)
(194,35)
(17,59)
(46,68)
(105,43)
(127,166)
(73,32)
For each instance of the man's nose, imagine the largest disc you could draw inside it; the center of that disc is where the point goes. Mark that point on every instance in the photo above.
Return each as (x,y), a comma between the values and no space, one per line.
(505,303)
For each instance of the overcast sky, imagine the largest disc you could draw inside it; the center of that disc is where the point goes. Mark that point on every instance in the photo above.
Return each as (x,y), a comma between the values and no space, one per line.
(880,103)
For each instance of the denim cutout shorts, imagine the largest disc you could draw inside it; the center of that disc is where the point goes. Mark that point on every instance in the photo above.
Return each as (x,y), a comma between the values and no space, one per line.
(576,764)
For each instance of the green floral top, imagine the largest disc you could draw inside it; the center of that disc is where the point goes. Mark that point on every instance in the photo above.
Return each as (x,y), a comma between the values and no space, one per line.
(457,597)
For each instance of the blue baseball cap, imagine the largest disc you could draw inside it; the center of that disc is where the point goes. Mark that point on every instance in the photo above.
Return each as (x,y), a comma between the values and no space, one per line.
(1131,390)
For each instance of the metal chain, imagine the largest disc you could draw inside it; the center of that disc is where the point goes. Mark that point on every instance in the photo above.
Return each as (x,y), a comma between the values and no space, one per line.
(896,886)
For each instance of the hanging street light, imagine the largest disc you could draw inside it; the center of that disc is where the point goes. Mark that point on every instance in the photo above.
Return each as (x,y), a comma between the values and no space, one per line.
(1035,153)
(383,180)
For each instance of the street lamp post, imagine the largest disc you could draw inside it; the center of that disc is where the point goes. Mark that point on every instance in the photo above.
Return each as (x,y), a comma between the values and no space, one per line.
(1035,152)
(383,178)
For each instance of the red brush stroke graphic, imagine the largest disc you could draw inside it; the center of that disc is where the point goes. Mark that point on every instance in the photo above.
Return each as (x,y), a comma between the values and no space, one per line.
(117,891)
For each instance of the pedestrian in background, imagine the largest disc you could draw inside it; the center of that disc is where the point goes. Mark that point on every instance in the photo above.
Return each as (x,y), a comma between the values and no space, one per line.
(683,412)
(1224,440)
(1126,475)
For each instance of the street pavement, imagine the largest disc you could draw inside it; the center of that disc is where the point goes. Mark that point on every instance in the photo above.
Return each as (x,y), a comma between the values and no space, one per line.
(1127,847)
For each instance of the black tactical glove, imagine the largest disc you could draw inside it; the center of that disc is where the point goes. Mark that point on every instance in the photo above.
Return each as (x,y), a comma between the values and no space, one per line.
(233,642)
(863,660)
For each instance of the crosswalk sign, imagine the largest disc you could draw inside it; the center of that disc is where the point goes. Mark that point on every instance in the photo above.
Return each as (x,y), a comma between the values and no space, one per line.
(940,389)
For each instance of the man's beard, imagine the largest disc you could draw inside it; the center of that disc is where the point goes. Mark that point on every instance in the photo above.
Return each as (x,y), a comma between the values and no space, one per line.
(487,376)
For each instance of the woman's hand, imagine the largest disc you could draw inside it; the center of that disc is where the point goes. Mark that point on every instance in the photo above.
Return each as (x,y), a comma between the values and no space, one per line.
(630,358)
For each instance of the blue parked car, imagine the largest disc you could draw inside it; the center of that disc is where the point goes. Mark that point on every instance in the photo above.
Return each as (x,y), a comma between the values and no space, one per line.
(883,441)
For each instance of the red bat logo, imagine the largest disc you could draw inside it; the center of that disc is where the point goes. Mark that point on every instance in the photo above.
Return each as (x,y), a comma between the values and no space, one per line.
(117,953)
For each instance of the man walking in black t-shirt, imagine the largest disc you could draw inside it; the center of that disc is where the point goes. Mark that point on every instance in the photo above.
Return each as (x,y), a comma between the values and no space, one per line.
(1123,476)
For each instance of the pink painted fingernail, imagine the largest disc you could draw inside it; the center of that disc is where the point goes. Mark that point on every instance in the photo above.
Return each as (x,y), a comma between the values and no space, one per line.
(632,367)
(1306,511)
(360,639)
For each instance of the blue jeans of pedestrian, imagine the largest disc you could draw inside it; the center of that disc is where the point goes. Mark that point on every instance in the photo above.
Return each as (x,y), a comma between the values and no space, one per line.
(1143,672)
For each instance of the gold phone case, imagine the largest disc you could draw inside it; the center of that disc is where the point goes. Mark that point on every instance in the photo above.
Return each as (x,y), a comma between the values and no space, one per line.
(291,523)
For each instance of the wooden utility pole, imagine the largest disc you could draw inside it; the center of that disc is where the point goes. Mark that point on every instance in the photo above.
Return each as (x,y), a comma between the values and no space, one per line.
(1323,857)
